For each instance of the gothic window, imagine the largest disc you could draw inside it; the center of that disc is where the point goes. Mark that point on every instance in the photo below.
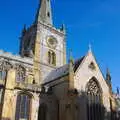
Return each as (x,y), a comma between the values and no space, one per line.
(95,109)
(48,14)
(20,73)
(27,44)
(1,93)
(51,58)
(4,67)
(42,114)
(23,107)
(1,98)
(2,75)
(33,47)
(93,87)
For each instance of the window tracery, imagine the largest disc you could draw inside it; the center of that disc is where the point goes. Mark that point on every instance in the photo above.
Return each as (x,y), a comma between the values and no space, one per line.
(5,66)
(95,109)
(23,107)
(93,87)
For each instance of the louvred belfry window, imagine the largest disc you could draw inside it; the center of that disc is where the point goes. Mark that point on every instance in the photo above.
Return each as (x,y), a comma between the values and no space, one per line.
(95,109)
(23,107)
(51,57)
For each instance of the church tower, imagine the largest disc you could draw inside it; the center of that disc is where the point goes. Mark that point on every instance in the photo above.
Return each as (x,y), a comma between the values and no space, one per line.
(43,42)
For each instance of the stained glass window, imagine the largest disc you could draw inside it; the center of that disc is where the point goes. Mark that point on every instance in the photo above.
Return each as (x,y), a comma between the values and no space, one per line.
(23,107)
(1,93)
(4,67)
(93,87)
(95,109)
(0,75)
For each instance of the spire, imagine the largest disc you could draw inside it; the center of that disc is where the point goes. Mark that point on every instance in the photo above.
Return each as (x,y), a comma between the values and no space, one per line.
(44,13)
(71,60)
(63,28)
(90,48)
(71,72)
(108,78)
(118,91)
(24,30)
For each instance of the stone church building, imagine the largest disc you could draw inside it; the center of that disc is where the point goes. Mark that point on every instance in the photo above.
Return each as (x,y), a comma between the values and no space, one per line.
(38,84)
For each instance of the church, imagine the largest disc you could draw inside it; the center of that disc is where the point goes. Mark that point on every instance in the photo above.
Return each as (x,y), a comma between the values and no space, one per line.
(38,84)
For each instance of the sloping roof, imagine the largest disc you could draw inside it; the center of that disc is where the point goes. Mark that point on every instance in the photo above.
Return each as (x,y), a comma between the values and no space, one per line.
(58,72)
(61,71)
(77,63)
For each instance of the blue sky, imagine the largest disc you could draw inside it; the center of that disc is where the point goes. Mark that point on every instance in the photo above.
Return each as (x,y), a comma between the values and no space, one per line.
(87,21)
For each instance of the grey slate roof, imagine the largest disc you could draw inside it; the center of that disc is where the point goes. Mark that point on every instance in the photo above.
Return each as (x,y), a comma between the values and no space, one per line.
(77,63)
(58,72)
(61,71)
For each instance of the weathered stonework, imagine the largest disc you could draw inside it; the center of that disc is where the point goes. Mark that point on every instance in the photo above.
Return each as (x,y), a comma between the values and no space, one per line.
(54,90)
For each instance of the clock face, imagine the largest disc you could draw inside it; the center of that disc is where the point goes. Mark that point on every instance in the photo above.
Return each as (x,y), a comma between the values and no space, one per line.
(52,42)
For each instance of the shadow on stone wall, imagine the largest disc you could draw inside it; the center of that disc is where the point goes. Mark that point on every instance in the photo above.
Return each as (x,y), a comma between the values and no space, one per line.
(84,108)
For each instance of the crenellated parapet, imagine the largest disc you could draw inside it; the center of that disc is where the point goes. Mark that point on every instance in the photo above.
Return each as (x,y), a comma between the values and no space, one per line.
(15,66)
(15,58)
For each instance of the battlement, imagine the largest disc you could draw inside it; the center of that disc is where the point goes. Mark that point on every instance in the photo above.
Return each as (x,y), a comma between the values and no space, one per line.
(18,58)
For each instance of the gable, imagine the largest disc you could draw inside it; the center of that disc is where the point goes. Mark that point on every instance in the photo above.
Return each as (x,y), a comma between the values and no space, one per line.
(62,71)
(86,71)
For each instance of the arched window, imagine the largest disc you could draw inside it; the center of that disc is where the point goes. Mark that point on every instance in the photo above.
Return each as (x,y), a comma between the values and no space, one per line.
(95,109)
(20,73)
(93,87)
(51,57)
(23,107)
(3,74)
(4,68)
(42,114)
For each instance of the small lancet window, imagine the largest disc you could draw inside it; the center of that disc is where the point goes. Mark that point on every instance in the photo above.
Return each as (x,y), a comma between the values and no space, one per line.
(3,75)
(51,57)
(4,68)
(1,95)
(0,75)
(48,14)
